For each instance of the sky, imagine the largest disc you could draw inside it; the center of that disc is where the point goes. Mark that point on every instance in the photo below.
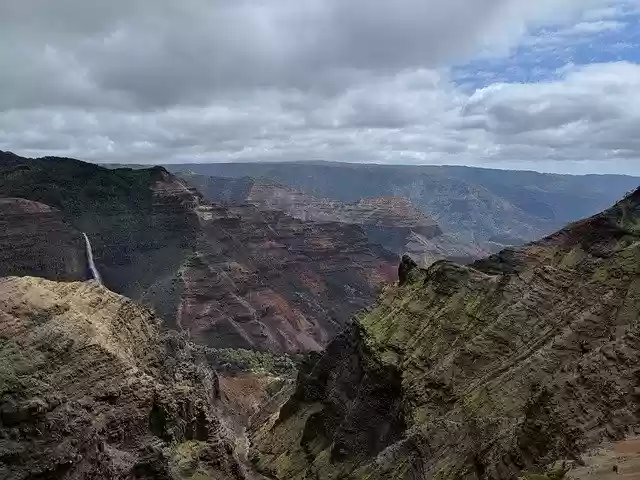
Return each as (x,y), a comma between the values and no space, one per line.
(550,85)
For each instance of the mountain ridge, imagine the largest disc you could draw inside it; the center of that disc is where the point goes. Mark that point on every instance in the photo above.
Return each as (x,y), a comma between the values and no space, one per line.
(236,275)
(392,222)
(476,205)
(485,371)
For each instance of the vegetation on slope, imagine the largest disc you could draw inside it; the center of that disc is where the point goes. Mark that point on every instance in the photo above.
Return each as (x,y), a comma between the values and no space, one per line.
(139,234)
(239,360)
(90,388)
(76,187)
(477,372)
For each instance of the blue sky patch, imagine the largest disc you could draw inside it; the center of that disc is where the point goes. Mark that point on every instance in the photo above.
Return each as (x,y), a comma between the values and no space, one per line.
(599,36)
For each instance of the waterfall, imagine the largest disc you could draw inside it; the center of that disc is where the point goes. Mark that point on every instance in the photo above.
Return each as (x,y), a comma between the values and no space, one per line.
(92,265)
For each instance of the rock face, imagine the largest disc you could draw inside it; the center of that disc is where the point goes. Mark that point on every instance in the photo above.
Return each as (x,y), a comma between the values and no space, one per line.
(35,240)
(477,372)
(392,222)
(262,279)
(90,389)
(141,223)
(231,276)
(379,211)
(387,221)
(473,206)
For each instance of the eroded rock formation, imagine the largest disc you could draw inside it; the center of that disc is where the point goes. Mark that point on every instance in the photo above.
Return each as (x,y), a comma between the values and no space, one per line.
(36,240)
(231,276)
(90,388)
(389,221)
(266,280)
(477,372)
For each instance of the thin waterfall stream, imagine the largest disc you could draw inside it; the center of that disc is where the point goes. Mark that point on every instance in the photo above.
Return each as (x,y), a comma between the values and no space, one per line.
(92,265)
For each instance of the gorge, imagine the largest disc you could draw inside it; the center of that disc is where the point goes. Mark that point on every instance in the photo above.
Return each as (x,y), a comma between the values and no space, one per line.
(147,331)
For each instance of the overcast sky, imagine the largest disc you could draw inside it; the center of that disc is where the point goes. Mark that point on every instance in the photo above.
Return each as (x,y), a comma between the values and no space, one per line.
(550,85)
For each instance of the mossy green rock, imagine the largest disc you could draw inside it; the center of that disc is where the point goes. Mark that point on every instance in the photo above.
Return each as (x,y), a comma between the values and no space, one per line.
(477,372)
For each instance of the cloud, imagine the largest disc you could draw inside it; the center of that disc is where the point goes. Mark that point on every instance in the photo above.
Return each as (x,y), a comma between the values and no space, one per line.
(588,113)
(214,80)
(593,27)
(154,54)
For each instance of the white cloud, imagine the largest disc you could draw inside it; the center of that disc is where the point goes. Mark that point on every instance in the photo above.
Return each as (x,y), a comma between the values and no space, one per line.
(212,80)
(590,114)
(159,53)
(593,27)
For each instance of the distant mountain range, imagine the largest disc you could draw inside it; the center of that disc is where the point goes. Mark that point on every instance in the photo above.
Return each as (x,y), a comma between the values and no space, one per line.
(485,208)
(392,222)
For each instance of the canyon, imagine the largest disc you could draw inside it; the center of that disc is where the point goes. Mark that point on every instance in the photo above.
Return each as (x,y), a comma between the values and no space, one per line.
(485,209)
(231,276)
(391,222)
(521,362)
(254,332)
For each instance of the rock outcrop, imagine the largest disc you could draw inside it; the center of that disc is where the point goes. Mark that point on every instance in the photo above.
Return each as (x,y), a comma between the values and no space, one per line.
(90,388)
(231,276)
(36,240)
(392,222)
(262,279)
(519,363)
(407,267)
(141,223)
